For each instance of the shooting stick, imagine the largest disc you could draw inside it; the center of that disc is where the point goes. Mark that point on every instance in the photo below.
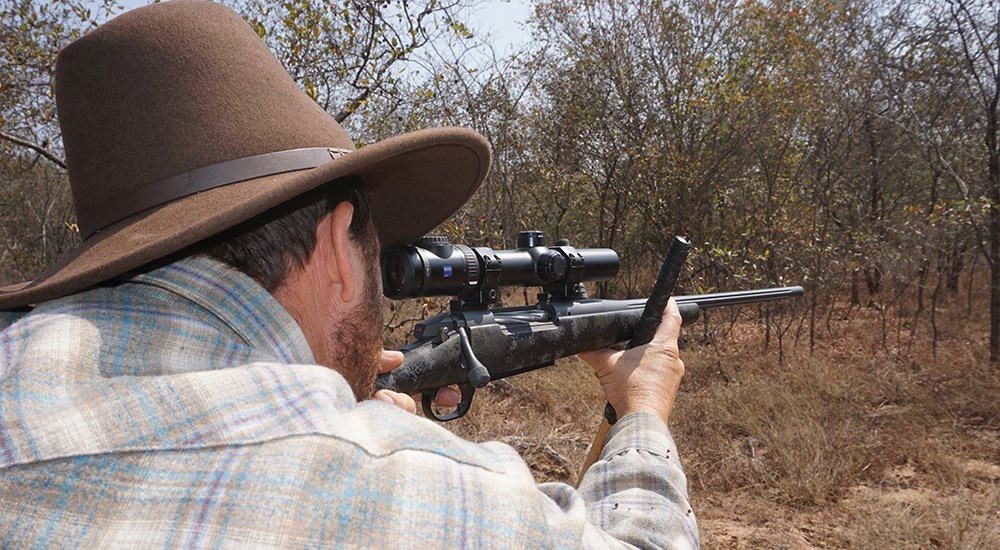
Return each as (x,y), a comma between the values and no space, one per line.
(652,314)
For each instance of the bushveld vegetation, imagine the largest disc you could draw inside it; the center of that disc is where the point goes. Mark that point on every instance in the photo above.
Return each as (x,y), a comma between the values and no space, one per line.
(848,146)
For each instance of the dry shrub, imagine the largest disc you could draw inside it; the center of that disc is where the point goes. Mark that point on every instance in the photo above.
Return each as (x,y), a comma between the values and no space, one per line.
(801,431)
(809,430)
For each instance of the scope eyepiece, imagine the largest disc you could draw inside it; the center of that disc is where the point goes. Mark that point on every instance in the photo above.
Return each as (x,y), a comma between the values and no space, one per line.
(434,267)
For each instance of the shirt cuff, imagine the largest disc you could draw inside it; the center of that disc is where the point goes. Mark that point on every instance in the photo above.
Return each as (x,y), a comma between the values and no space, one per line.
(642,431)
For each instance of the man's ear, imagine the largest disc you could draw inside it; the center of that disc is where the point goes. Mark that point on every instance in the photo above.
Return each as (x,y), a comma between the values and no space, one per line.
(341,261)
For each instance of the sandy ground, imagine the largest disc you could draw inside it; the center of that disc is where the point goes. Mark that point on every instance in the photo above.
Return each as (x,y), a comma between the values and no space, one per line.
(904,512)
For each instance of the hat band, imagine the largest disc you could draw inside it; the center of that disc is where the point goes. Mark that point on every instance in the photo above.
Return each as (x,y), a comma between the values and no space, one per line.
(203,179)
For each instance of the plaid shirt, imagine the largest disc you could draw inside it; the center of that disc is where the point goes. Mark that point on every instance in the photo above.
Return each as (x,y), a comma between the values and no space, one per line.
(181,408)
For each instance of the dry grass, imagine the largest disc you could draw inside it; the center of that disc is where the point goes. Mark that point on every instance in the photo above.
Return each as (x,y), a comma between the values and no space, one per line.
(865,442)
(916,517)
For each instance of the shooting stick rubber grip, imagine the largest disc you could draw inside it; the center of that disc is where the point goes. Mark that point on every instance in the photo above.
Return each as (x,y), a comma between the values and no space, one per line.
(652,314)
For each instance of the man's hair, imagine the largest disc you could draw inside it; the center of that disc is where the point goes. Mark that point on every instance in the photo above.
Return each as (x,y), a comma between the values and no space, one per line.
(267,247)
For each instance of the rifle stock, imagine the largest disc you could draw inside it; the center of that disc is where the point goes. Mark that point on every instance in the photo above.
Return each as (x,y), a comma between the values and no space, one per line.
(510,341)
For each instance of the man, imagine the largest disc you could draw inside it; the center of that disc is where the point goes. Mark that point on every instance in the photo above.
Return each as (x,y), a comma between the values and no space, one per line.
(199,371)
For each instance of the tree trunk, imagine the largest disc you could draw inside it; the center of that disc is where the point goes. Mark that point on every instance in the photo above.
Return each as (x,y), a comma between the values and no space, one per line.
(994,223)
(873,281)
(995,262)
(855,298)
(956,264)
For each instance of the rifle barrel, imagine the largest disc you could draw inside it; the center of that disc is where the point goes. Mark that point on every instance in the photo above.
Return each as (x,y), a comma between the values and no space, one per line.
(740,297)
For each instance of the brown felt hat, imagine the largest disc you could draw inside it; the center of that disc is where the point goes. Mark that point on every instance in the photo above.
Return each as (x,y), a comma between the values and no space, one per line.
(178,123)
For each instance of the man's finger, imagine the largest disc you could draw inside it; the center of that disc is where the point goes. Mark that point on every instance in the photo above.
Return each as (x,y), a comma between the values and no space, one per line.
(597,356)
(401,400)
(670,327)
(390,360)
(445,397)
(601,360)
(448,397)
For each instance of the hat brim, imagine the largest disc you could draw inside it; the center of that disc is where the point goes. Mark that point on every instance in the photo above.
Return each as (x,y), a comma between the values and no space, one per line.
(415,181)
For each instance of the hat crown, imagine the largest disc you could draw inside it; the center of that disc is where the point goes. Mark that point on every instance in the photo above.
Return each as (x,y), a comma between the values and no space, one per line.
(170,88)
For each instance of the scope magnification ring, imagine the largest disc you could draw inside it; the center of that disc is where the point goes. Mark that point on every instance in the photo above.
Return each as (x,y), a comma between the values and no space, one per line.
(471,265)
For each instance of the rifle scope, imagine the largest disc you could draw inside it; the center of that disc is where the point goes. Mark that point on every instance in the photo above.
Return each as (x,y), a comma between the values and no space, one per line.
(434,267)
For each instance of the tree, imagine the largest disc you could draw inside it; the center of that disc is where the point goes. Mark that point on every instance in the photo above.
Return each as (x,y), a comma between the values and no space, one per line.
(344,53)
(34,198)
(959,40)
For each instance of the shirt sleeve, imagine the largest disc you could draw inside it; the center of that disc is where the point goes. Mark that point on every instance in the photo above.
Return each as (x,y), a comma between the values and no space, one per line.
(635,496)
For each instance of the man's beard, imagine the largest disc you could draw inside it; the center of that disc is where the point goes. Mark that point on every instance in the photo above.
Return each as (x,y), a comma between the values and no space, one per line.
(356,342)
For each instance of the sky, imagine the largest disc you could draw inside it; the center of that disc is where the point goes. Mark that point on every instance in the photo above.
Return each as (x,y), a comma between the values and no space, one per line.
(501,19)
(504,20)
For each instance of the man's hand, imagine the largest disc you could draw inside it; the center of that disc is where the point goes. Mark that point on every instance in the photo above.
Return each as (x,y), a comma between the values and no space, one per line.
(446,397)
(392,360)
(646,378)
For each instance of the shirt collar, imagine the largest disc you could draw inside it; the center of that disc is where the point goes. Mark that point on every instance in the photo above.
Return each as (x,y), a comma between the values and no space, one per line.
(250,311)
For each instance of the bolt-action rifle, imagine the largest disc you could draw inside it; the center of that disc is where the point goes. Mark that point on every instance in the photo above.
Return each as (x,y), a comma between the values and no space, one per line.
(472,343)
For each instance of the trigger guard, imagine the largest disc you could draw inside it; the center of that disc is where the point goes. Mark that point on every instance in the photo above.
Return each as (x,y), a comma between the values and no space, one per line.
(427,400)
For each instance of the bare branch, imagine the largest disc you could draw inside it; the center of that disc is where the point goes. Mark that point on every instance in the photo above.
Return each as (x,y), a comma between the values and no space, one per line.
(970,59)
(377,66)
(45,152)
